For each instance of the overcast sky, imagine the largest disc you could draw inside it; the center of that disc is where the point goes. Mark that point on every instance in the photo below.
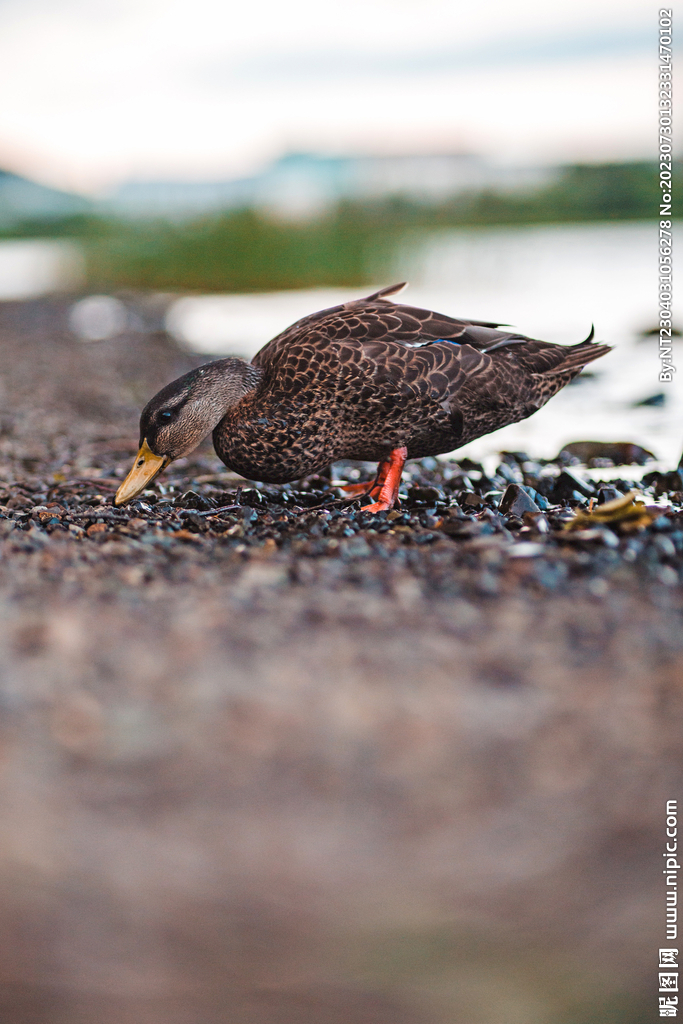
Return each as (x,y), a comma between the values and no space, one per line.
(98,91)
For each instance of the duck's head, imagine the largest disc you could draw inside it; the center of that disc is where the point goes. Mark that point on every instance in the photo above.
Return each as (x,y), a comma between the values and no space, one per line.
(181,415)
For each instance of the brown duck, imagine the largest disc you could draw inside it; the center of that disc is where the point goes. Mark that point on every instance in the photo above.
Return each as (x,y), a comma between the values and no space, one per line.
(369,380)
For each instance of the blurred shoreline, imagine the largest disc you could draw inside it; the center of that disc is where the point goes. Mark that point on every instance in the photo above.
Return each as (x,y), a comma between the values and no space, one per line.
(346,242)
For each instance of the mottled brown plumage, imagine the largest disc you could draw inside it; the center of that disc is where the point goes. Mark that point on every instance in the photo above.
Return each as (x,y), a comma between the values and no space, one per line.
(358,381)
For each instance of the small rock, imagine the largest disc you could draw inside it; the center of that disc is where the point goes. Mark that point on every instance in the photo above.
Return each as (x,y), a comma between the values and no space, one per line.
(654,401)
(252,497)
(96,528)
(537,521)
(664,483)
(510,472)
(190,499)
(664,546)
(618,453)
(516,501)
(667,575)
(567,483)
(493,497)
(425,495)
(608,493)
(470,499)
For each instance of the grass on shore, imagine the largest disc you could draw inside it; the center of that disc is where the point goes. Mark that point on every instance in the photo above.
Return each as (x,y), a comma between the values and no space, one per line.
(246,250)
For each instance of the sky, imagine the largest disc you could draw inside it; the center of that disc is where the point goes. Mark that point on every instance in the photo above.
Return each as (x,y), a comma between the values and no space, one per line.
(96,92)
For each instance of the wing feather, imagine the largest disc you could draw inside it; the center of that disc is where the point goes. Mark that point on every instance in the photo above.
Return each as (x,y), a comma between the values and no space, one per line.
(472,372)
(377,318)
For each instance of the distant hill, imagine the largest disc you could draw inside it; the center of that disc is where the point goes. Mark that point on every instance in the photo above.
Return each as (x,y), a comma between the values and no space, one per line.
(428,190)
(302,186)
(22,201)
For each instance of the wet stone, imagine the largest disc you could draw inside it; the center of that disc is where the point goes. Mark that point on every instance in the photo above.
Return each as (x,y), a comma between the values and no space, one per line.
(468,499)
(425,495)
(190,499)
(604,453)
(608,493)
(516,501)
(510,472)
(493,497)
(664,483)
(252,497)
(569,486)
(192,519)
(247,514)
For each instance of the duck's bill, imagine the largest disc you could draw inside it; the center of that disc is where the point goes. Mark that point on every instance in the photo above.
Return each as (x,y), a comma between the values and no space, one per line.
(145,468)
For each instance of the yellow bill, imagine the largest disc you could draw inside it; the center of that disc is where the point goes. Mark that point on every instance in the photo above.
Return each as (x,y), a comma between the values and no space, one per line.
(145,468)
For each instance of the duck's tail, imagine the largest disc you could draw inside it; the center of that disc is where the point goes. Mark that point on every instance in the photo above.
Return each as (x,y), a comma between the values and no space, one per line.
(552,366)
(578,356)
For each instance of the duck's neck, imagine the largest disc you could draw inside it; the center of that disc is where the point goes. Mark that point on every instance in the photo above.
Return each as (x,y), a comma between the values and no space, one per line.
(224,383)
(244,378)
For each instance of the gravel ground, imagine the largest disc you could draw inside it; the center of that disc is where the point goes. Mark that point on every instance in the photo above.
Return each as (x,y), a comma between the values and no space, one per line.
(268,758)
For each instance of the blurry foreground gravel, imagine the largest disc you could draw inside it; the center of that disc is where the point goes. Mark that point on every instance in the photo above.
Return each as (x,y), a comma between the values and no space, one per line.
(290,763)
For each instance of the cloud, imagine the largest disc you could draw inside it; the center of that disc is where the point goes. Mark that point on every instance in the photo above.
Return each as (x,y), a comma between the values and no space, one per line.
(513,52)
(95,91)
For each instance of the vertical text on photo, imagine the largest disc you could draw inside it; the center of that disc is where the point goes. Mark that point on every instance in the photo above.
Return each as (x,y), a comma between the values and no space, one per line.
(667,368)
(668,956)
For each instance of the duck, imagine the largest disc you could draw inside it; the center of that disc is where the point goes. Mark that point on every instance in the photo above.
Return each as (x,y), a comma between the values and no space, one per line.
(369,380)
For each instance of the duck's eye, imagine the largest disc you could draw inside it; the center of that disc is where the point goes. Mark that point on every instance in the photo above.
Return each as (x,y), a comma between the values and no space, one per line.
(166,415)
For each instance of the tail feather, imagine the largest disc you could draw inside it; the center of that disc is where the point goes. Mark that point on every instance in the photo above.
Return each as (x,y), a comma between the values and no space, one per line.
(580,355)
(384,293)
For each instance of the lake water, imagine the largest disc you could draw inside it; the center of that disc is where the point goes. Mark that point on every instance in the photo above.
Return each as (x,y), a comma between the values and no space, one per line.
(33,267)
(550,282)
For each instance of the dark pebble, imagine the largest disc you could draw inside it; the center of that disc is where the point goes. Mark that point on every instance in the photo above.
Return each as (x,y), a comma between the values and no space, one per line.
(567,484)
(468,499)
(516,501)
(608,493)
(252,497)
(664,483)
(190,499)
(511,473)
(610,453)
(655,401)
(429,495)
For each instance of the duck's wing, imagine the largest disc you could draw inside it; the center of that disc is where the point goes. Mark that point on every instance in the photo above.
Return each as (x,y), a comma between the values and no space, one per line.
(494,373)
(378,319)
(480,376)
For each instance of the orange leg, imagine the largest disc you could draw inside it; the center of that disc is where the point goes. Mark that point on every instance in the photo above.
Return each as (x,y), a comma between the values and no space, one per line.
(354,489)
(388,482)
(372,489)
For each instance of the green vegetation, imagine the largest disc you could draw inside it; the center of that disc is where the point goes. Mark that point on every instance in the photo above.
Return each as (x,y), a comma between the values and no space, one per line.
(245,250)
(237,251)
